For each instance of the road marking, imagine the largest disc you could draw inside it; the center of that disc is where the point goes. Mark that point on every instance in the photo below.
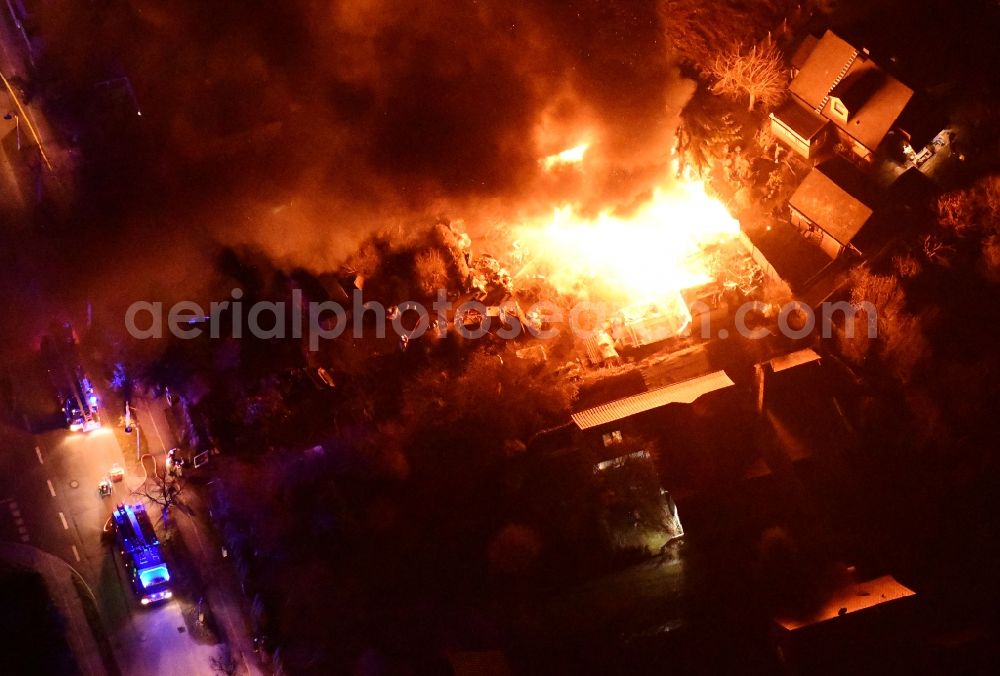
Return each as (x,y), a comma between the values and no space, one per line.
(76,553)
(38,452)
(152,419)
(62,517)
(52,489)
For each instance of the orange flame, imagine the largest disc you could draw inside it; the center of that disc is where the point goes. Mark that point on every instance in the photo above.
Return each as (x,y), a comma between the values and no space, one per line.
(572,155)
(645,258)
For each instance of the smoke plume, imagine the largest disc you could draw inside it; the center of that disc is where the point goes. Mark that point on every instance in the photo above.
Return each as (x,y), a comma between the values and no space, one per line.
(297,128)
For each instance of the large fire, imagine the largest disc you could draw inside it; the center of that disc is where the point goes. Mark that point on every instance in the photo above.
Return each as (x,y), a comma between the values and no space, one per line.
(645,258)
(572,155)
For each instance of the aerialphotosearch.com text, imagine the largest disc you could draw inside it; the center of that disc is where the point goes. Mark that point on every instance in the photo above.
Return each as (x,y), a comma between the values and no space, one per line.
(409,320)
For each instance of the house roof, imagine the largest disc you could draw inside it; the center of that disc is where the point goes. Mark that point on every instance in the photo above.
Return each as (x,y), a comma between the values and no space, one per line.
(804,122)
(821,68)
(684,392)
(803,51)
(827,202)
(793,359)
(878,98)
(849,599)
(794,259)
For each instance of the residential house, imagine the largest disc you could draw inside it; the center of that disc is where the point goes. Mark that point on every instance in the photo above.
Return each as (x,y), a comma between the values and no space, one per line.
(839,91)
(863,627)
(832,205)
(800,128)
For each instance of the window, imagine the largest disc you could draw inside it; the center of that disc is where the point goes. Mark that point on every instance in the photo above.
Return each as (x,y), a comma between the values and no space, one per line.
(152,576)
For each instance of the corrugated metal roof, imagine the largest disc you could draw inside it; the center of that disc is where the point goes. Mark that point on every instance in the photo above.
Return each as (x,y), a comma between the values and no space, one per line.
(793,359)
(684,392)
(851,599)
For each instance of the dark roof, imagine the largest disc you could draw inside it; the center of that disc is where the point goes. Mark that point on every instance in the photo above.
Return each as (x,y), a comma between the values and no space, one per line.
(803,121)
(878,98)
(793,258)
(835,197)
(851,179)
(922,120)
(858,86)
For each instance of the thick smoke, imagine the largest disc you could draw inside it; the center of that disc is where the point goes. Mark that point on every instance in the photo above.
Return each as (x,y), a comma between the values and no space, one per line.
(299,127)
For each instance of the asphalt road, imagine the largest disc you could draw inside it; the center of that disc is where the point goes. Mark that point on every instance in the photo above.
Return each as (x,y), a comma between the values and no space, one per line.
(49,499)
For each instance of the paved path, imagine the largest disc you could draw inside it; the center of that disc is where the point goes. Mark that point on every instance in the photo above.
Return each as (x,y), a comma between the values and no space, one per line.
(58,576)
(190,518)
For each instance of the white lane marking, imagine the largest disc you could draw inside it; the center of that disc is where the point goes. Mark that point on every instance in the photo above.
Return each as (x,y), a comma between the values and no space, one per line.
(62,517)
(52,489)
(76,554)
(38,452)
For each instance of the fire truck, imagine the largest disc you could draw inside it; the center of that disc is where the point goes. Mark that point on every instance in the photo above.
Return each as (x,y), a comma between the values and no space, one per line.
(77,398)
(140,551)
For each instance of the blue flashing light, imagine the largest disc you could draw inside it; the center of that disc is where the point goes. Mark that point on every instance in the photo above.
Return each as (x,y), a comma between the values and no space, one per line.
(154,576)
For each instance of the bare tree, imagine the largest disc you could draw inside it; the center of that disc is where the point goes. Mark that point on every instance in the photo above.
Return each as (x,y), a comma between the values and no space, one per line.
(976,208)
(432,272)
(758,74)
(956,211)
(697,31)
(366,261)
(223,663)
(937,250)
(901,340)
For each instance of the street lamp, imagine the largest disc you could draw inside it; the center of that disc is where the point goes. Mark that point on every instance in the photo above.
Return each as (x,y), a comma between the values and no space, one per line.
(129,425)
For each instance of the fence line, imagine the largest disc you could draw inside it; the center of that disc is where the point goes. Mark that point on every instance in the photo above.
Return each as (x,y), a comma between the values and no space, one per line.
(759,258)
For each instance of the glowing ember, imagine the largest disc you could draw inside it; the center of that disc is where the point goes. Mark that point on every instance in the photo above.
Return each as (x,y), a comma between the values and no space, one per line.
(646,258)
(572,155)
